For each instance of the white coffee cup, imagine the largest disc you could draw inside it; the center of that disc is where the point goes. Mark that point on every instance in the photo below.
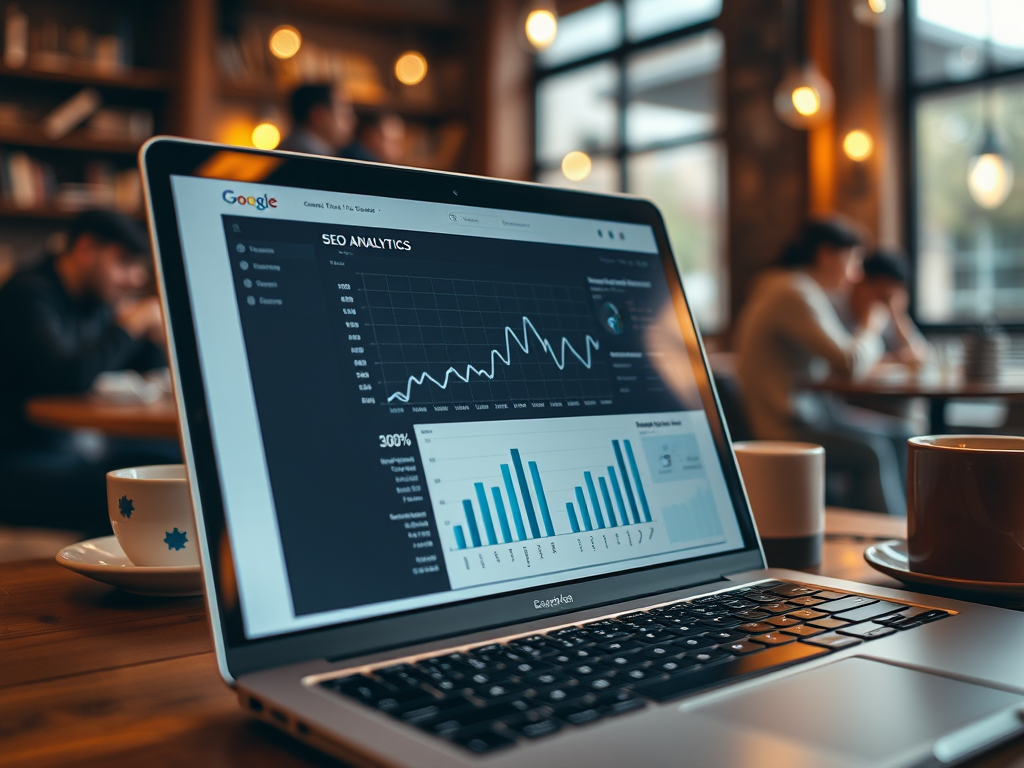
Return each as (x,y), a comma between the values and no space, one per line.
(151,514)
(785,483)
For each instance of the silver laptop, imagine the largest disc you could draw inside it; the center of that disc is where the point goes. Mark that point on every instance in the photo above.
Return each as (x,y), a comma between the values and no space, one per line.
(465,496)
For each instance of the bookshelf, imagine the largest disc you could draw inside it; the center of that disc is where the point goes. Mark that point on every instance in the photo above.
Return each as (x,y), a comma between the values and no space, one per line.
(164,61)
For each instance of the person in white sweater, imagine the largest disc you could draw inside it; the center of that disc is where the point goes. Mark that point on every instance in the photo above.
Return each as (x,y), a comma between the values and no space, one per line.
(789,335)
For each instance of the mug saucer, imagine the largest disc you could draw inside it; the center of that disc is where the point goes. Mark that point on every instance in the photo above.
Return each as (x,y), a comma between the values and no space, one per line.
(891,558)
(103,559)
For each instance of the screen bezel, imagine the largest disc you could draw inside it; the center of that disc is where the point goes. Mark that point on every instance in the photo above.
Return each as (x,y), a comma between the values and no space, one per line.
(161,158)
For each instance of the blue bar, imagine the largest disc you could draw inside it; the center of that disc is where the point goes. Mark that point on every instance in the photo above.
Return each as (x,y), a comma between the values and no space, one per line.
(513,502)
(573,522)
(607,501)
(499,505)
(531,516)
(485,513)
(589,479)
(541,499)
(460,537)
(474,532)
(618,495)
(583,509)
(639,482)
(625,481)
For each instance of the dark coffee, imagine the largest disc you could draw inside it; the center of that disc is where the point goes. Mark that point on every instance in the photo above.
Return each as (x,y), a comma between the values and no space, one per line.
(965,507)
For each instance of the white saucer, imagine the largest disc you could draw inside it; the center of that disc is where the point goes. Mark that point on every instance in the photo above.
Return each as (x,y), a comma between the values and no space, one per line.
(104,560)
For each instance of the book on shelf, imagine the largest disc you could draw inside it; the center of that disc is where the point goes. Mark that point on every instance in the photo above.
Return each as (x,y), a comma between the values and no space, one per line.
(120,124)
(50,46)
(70,114)
(26,183)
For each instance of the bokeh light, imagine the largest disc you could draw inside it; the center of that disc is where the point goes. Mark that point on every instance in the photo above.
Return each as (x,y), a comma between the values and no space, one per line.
(411,68)
(285,41)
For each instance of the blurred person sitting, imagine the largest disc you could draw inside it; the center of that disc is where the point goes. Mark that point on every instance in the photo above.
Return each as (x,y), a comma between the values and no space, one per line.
(383,138)
(62,323)
(884,281)
(789,335)
(323,122)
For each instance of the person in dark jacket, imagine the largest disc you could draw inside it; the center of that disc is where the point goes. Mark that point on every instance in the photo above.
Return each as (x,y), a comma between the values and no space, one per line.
(62,323)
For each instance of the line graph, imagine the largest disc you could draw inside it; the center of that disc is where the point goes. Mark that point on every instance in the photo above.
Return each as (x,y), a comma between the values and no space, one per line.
(454,340)
(510,336)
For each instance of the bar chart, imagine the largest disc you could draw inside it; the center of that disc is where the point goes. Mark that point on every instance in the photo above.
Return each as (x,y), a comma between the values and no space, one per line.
(518,499)
(586,510)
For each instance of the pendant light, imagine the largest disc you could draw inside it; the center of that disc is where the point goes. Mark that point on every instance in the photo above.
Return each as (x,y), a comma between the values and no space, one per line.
(541,25)
(877,13)
(804,97)
(989,171)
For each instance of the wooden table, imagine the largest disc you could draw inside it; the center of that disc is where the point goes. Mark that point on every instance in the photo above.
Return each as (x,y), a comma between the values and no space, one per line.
(90,675)
(939,390)
(158,420)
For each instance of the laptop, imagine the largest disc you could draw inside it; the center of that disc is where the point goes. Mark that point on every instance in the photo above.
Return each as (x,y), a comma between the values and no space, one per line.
(464,494)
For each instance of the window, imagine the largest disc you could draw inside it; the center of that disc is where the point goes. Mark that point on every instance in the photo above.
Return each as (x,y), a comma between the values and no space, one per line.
(636,85)
(966,84)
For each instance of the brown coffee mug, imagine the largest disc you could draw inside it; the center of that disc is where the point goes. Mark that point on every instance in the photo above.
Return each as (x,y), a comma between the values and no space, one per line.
(965,507)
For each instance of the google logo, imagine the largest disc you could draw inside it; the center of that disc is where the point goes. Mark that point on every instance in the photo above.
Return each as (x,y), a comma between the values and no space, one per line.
(259,203)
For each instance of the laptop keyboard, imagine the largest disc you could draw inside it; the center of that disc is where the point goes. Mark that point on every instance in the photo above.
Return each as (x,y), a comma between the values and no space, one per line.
(497,695)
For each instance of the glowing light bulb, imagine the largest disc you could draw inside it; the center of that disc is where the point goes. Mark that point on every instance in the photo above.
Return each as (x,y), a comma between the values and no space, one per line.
(806,100)
(858,145)
(411,68)
(285,41)
(989,179)
(266,136)
(576,166)
(877,13)
(541,28)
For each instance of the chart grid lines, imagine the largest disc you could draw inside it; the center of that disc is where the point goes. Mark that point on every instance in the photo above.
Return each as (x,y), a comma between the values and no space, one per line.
(425,328)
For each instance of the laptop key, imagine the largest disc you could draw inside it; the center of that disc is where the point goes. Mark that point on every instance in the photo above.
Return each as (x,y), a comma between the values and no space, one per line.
(705,677)
(828,623)
(752,615)
(773,638)
(538,728)
(848,603)
(676,665)
(806,614)
(775,607)
(783,621)
(694,643)
(743,647)
(802,630)
(754,627)
(728,635)
(827,595)
(833,641)
(618,702)
(868,630)
(868,612)
(720,621)
(806,600)
(708,656)
(792,590)
(578,714)
(484,741)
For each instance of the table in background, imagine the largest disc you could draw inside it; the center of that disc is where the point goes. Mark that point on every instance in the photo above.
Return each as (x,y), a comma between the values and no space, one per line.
(90,675)
(938,390)
(156,420)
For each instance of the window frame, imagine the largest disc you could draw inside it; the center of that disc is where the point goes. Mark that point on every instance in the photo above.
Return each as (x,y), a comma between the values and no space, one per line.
(913,93)
(619,56)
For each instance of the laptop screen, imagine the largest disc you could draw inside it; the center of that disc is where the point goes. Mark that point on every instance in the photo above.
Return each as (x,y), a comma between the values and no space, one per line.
(414,404)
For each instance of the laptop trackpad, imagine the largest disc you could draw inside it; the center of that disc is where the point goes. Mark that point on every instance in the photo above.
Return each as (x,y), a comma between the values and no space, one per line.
(861,708)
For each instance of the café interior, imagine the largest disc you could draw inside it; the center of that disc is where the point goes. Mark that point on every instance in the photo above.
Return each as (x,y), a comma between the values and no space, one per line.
(868,146)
